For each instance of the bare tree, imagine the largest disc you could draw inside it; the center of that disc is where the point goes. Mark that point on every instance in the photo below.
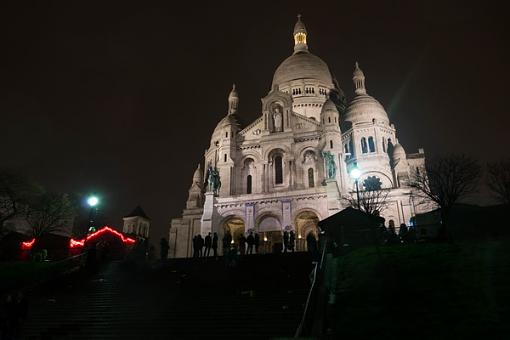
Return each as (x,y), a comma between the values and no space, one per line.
(16,192)
(50,212)
(446,180)
(499,180)
(372,198)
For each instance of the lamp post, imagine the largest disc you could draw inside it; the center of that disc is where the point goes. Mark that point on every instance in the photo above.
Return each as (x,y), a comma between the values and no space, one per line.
(356,173)
(92,202)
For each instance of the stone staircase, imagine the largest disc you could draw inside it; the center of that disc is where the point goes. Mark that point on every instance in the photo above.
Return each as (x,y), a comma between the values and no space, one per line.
(262,297)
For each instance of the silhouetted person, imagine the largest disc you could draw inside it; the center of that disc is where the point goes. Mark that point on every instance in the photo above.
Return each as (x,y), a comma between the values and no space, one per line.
(163,248)
(402,233)
(392,234)
(200,245)
(411,234)
(285,241)
(311,245)
(227,239)
(242,244)
(251,242)
(208,244)
(292,240)
(214,245)
(256,242)
(195,246)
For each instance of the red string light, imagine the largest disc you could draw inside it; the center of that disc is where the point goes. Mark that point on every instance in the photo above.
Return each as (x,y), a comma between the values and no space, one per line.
(27,245)
(80,243)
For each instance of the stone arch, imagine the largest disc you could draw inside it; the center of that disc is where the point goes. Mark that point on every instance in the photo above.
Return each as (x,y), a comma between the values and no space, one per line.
(284,150)
(305,222)
(269,227)
(234,224)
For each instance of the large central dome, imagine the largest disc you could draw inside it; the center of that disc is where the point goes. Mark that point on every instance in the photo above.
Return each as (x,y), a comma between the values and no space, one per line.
(303,65)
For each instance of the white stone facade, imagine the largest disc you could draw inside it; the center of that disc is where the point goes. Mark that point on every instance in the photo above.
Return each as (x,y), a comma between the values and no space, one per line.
(274,173)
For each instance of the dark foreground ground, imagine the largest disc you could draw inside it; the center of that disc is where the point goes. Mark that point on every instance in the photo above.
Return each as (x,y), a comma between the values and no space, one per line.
(182,299)
(425,291)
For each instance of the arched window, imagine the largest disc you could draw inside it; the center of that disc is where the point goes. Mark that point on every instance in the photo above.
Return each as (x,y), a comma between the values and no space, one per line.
(364,148)
(225,157)
(346,148)
(371,145)
(329,119)
(248,184)
(278,170)
(311,181)
(351,147)
(331,144)
(226,134)
(383,145)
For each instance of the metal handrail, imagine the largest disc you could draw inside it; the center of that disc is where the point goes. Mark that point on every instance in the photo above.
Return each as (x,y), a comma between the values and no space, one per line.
(318,266)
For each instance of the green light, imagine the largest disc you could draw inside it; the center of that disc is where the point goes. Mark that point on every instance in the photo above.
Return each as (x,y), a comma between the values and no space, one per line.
(355,173)
(92,201)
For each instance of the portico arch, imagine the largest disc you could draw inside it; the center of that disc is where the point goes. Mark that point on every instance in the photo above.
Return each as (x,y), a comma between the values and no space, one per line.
(235,225)
(305,223)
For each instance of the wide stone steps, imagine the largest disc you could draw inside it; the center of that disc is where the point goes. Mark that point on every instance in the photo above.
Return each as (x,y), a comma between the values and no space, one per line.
(115,305)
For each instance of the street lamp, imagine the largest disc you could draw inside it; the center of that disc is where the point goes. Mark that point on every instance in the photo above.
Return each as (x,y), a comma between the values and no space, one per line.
(92,202)
(356,173)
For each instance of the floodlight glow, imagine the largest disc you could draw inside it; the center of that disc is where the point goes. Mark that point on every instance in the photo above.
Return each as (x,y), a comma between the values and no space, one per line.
(92,201)
(355,173)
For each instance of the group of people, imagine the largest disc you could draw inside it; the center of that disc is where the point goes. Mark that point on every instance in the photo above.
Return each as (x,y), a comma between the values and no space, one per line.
(243,245)
(202,245)
(13,313)
(404,235)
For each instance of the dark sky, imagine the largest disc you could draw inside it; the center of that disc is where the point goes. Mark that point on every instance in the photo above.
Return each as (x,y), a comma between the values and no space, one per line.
(121,97)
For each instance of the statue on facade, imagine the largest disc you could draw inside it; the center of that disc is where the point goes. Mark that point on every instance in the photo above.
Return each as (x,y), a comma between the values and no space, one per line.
(277,119)
(213,180)
(329,159)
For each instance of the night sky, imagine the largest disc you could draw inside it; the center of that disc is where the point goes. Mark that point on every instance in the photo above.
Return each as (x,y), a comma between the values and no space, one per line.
(121,98)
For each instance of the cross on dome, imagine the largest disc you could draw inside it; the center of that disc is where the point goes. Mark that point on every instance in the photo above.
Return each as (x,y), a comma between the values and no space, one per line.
(300,36)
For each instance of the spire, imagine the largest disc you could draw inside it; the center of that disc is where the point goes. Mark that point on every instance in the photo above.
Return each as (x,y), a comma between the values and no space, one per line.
(300,36)
(233,100)
(359,80)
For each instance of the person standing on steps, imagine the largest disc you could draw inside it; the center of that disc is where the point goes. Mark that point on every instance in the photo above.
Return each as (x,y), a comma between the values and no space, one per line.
(242,244)
(285,241)
(214,245)
(292,240)
(200,245)
(227,238)
(256,242)
(251,241)
(208,243)
(163,248)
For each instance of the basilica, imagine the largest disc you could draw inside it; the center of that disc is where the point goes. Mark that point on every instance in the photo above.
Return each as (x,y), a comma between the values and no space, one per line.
(293,165)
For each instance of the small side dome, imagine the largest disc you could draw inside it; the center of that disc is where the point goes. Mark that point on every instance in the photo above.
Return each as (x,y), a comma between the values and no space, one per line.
(329,106)
(398,153)
(364,108)
(197,176)
(229,121)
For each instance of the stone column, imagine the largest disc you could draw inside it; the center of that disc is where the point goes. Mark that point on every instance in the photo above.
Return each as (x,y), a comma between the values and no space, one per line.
(286,213)
(249,216)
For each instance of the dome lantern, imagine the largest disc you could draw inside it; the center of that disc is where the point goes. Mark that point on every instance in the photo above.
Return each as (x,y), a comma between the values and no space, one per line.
(300,36)
(233,100)
(359,80)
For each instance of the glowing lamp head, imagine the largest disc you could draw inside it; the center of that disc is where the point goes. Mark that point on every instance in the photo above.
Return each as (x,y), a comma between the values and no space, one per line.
(355,173)
(92,201)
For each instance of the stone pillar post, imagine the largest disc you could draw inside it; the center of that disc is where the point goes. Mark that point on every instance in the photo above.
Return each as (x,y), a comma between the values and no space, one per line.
(207,216)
